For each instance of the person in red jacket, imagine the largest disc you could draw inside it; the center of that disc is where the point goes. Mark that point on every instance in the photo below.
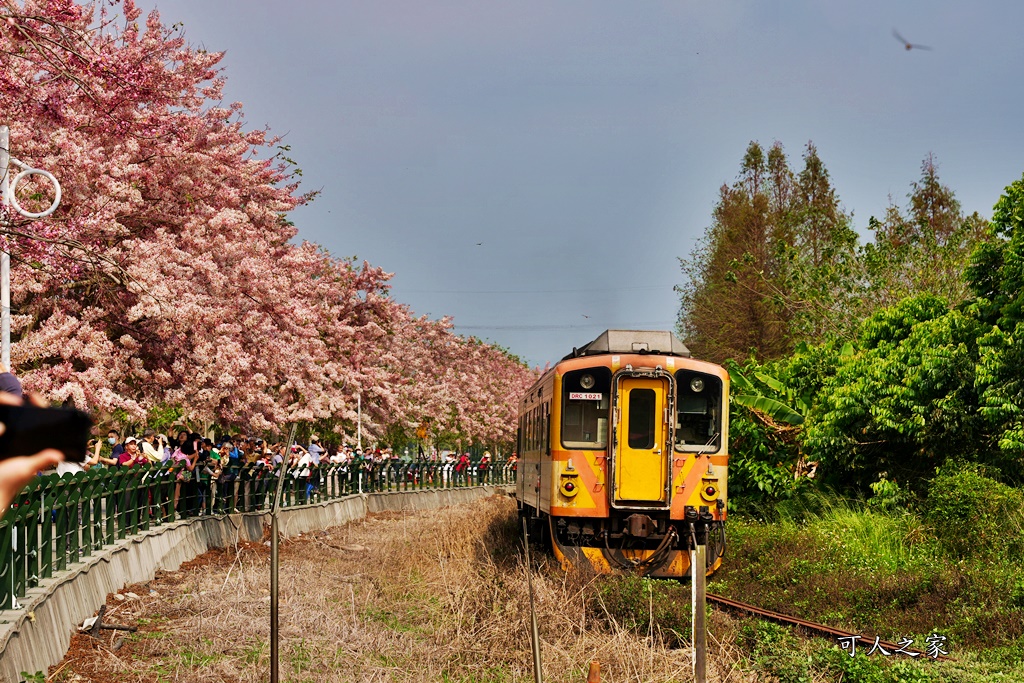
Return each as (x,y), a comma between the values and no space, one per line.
(461,466)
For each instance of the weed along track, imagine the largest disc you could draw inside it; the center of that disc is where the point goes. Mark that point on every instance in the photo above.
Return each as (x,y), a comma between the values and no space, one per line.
(811,627)
(437,595)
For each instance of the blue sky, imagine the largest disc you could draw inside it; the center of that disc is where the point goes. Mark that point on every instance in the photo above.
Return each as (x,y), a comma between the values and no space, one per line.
(583,143)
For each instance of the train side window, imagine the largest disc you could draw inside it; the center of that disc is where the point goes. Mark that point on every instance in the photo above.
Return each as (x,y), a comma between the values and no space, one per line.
(545,425)
(586,400)
(540,429)
(536,431)
(698,412)
(526,432)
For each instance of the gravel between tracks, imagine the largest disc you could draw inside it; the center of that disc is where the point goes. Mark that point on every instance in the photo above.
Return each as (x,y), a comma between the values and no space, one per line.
(426,596)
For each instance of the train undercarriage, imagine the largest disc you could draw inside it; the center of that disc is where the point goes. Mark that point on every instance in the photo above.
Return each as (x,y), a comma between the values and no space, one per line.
(648,544)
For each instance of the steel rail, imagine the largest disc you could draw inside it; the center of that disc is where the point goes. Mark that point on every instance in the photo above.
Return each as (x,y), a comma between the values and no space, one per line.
(814,627)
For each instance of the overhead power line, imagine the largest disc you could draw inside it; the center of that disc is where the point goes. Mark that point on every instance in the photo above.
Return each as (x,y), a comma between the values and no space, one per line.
(532,291)
(660,325)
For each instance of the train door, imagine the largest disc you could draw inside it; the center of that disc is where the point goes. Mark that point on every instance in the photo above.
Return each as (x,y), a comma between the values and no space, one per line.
(641,461)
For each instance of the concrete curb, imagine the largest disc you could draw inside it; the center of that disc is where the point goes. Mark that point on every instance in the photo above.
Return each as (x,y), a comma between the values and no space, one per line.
(38,635)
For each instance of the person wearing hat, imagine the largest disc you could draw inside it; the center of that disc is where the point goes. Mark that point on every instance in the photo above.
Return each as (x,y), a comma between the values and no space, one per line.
(483,466)
(131,455)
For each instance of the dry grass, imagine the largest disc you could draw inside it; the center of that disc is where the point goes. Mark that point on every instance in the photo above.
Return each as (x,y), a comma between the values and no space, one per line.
(428,596)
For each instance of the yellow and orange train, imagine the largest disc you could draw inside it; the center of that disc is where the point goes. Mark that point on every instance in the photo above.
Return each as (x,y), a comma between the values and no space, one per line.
(623,455)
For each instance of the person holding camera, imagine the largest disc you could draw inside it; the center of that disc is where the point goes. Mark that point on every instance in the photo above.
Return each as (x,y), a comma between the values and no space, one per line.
(132,455)
(152,449)
(16,472)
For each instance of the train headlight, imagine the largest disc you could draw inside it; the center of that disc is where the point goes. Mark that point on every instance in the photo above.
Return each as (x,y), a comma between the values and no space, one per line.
(587,381)
(709,489)
(697,385)
(569,484)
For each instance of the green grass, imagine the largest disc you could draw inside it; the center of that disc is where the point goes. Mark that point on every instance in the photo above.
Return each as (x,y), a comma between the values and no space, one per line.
(885,573)
(256,652)
(644,605)
(872,541)
(193,659)
(391,619)
(301,656)
(775,651)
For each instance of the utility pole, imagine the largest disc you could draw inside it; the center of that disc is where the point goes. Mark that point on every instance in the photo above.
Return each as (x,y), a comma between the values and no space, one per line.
(5,258)
(698,579)
(9,202)
(275,562)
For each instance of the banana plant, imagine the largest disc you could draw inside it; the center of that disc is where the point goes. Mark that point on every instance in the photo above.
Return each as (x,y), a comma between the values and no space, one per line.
(785,406)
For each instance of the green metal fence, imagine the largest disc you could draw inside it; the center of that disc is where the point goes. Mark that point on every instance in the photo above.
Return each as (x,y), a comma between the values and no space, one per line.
(57,521)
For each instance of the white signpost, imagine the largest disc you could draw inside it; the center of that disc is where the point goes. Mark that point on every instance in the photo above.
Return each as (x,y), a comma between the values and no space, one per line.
(9,201)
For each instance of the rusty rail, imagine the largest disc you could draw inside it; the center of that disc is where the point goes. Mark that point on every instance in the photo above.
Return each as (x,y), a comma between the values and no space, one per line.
(811,626)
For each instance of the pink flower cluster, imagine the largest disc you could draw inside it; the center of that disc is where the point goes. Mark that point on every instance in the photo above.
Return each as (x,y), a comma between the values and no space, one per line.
(168,277)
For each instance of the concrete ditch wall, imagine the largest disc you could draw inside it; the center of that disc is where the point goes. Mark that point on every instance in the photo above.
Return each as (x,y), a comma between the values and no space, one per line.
(38,635)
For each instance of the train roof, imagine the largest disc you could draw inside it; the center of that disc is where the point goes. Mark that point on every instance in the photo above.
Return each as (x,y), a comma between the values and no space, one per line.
(633,341)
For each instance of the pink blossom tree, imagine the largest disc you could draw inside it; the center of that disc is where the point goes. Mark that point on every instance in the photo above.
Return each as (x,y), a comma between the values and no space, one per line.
(169,275)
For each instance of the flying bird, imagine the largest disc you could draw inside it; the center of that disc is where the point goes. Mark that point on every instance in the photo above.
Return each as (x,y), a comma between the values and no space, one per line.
(907,45)
(479,244)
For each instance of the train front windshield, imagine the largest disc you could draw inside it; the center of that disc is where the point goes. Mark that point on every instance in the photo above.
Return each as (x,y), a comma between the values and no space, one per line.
(698,412)
(586,398)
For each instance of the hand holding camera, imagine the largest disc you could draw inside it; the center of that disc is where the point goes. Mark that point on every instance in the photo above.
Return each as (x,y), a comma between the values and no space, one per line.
(34,438)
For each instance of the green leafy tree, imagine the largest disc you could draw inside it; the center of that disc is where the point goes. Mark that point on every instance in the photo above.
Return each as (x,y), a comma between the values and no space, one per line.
(923,250)
(996,277)
(903,401)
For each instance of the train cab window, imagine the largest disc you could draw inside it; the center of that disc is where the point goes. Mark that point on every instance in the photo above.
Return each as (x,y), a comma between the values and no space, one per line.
(586,399)
(698,412)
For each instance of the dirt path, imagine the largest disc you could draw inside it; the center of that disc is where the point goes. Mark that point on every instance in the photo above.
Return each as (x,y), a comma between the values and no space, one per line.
(429,596)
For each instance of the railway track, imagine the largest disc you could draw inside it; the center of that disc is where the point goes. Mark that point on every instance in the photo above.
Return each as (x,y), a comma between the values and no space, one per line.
(818,629)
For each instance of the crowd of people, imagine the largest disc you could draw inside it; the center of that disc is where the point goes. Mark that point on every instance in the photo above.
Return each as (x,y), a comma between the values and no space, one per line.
(234,473)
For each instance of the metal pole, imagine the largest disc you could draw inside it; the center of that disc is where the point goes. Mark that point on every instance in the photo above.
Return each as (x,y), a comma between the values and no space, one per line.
(5,258)
(534,634)
(698,576)
(274,565)
(12,206)
(359,422)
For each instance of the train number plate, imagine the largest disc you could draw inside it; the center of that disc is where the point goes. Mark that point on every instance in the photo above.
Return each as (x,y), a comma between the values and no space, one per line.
(584,396)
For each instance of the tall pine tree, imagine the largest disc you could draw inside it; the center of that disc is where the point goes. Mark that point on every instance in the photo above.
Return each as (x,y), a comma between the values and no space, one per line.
(923,250)
(729,302)
(821,288)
